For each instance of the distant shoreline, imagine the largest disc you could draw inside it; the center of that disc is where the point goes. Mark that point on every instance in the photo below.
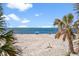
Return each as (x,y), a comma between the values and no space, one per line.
(33,36)
(34,30)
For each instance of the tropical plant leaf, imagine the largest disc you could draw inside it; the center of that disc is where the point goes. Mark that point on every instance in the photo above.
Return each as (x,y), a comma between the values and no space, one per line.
(9,48)
(2,22)
(9,36)
(70,18)
(65,19)
(58,34)
(76,8)
(57,21)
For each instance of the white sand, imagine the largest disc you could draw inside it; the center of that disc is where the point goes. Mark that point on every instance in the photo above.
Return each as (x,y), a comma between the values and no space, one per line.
(37,45)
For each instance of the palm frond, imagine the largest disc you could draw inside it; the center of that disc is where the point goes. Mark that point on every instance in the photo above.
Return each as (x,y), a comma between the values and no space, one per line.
(76,6)
(76,9)
(6,38)
(2,22)
(58,34)
(9,48)
(70,18)
(57,21)
(9,36)
(65,19)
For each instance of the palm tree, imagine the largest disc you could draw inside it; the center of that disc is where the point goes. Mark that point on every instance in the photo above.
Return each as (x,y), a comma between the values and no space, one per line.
(65,29)
(7,47)
(6,39)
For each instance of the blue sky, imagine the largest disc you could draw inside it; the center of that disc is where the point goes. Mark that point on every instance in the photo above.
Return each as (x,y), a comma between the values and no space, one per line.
(36,14)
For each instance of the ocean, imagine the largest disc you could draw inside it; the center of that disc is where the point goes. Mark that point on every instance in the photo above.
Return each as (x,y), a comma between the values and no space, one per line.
(34,30)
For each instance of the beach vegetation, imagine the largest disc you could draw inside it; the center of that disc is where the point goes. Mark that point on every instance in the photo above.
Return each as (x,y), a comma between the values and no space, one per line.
(7,38)
(76,24)
(65,30)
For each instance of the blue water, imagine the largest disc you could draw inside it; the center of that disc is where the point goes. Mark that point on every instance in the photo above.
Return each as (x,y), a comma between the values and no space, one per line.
(35,30)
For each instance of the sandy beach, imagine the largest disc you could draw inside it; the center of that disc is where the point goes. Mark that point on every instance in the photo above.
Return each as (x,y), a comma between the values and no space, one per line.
(41,45)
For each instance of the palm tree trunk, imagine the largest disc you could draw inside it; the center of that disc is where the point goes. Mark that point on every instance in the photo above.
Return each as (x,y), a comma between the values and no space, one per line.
(71,49)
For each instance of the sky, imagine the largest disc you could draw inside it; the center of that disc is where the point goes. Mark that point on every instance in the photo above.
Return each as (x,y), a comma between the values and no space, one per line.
(35,14)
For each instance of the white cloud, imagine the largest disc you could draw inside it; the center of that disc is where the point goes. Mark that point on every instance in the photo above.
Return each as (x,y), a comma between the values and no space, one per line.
(14,17)
(11,17)
(20,6)
(25,21)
